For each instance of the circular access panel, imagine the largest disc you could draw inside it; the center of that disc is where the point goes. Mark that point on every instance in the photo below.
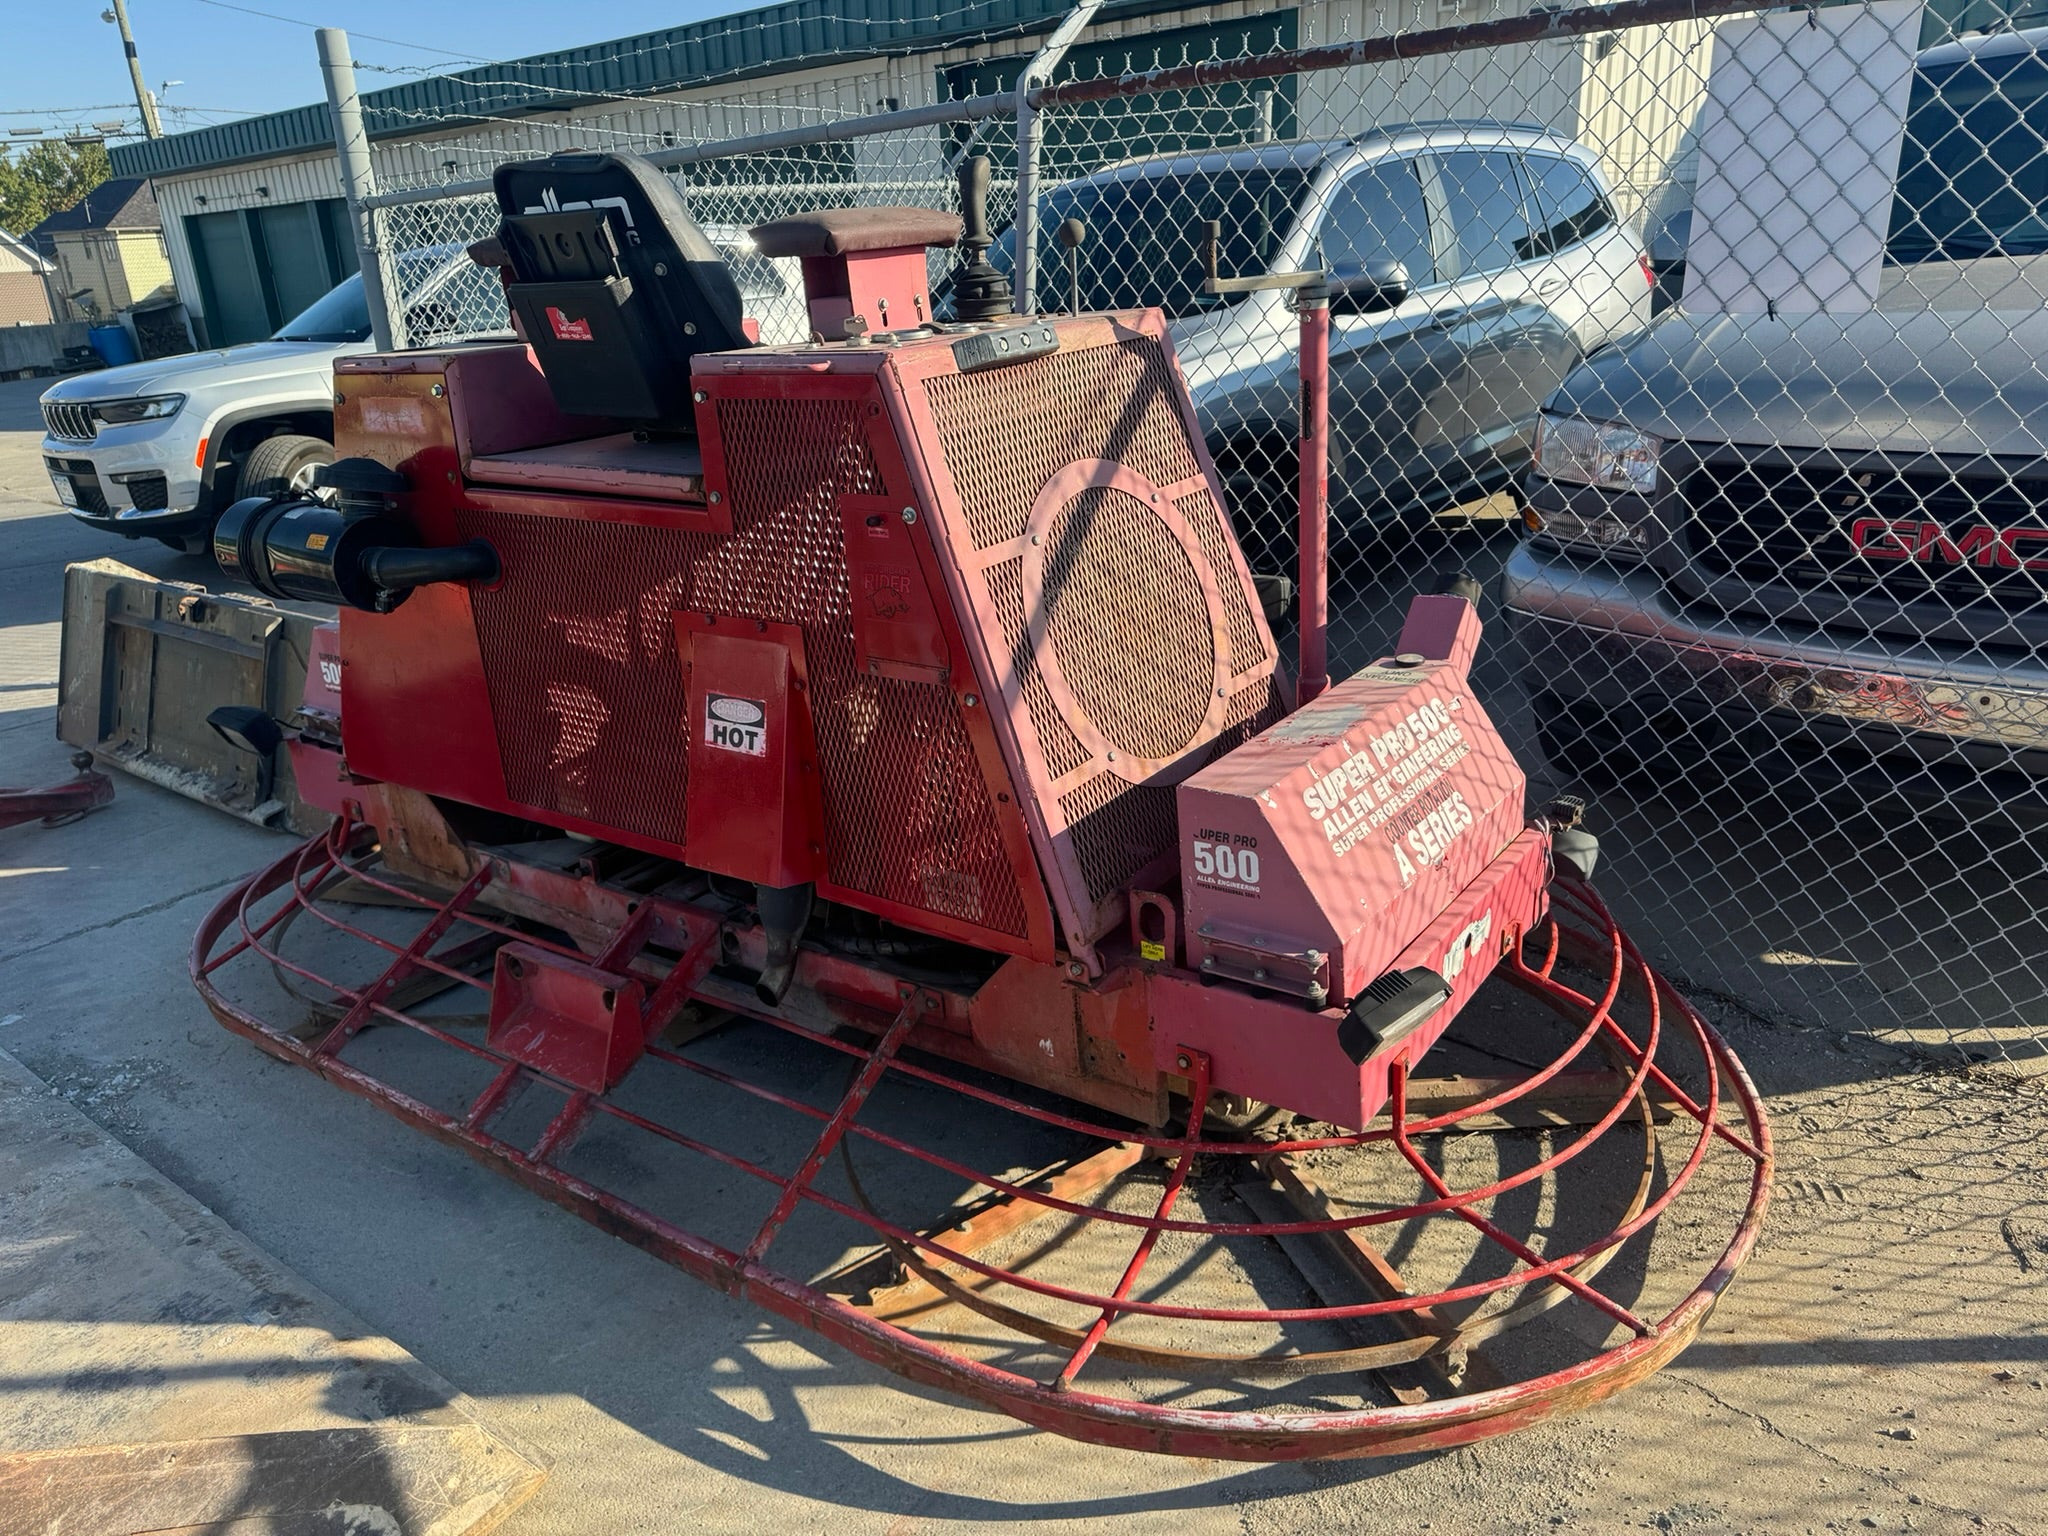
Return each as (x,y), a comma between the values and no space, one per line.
(1123,621)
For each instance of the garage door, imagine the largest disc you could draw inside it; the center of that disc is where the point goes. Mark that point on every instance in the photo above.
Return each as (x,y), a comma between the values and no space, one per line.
(258,267)
(229,285)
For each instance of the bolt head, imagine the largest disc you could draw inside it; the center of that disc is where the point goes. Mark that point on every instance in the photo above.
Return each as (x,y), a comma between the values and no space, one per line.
(909,516)
(970,701)
(1208,962)
(699,396)
(1183,1062)
(1076,969)
(714,498)
(339,398)
(438,390)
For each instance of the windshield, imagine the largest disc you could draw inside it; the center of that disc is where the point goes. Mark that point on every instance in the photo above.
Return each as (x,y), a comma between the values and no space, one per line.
(340,314)
(1973,171)
(1144,241)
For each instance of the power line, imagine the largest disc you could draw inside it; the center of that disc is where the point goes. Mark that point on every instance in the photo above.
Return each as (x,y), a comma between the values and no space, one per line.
(314,26)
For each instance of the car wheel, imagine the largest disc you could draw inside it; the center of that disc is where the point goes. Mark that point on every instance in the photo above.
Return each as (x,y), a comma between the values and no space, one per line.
(283,466)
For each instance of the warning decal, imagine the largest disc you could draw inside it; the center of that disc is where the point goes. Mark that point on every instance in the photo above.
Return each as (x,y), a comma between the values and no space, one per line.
(735,724)
(567,327)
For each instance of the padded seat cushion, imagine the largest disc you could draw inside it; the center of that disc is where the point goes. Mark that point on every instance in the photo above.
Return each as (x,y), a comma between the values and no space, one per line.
(844,231)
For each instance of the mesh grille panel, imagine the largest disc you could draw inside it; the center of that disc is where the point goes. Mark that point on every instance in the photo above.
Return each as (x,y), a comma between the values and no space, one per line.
(587,688)
(1117,829)
(906,807)
(586,692)
(1063,750)
(1936,535)
(1114,402)
(1128,622)
(1247,649)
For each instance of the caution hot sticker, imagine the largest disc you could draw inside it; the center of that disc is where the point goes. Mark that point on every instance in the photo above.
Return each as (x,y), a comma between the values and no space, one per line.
(733,724)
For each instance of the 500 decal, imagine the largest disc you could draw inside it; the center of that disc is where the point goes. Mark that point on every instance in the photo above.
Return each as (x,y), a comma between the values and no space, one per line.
(1227,861)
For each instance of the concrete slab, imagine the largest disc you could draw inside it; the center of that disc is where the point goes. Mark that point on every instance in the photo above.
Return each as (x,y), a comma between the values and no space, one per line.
(161,1372)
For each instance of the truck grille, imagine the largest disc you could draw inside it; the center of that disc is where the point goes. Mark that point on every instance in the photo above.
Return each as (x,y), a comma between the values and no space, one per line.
(1848,531)
(72,423)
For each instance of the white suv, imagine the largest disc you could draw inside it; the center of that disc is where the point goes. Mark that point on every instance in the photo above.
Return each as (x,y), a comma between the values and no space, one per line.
(160,449)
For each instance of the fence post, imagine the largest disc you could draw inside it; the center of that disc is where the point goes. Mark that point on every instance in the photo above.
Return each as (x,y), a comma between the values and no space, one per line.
(359,182)
(1035,74)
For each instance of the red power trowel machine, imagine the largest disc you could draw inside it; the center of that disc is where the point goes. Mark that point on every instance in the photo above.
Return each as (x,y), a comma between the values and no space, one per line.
(906,692)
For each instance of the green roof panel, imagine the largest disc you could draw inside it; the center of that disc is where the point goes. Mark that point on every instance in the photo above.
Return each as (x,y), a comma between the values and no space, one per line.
(750,43)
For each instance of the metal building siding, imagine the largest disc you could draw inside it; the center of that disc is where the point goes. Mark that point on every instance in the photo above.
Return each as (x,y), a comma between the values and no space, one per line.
(1639,104)
(300,180)
(751,43)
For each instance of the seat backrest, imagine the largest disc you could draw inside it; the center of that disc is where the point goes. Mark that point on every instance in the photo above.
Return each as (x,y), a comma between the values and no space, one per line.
(615,285)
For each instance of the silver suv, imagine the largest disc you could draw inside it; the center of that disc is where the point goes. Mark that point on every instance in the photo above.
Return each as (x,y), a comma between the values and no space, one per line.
(160,449)
(1475,265)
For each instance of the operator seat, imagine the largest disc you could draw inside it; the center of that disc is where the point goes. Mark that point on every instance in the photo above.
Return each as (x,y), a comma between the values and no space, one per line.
(615,285)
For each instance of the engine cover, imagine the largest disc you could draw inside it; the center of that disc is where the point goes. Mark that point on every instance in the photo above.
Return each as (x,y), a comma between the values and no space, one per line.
(1316,853)
(946,621)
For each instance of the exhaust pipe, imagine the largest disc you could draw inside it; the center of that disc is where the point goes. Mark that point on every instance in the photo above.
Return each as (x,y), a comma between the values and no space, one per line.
(783,910)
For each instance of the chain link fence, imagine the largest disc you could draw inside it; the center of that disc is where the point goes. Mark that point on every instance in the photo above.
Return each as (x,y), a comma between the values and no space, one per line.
(1709,341)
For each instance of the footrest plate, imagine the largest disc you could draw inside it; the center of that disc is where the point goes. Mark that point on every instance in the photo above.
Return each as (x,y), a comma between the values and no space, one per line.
(574,1022)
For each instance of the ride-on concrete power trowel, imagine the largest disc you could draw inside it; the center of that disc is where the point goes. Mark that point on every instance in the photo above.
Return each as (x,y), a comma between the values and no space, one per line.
(860,777)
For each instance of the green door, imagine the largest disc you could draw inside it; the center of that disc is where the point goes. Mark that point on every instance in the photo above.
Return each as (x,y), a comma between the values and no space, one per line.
(230,284)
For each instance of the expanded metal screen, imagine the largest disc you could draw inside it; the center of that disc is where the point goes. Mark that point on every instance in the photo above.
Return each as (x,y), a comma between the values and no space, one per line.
(1711,347)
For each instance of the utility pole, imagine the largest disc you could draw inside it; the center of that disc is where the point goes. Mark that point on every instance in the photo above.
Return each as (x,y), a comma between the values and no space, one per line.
(359,182)
(150,125)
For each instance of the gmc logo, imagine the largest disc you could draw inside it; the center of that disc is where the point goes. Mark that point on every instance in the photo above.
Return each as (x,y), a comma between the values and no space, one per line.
(2012,549)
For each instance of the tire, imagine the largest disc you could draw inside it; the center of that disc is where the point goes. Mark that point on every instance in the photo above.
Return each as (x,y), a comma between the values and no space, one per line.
(279,466)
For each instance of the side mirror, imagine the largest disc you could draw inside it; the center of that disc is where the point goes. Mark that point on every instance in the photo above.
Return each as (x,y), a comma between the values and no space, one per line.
(1369,287)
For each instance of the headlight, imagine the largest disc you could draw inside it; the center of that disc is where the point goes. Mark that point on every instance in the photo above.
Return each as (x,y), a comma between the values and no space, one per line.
(1615,458)
(120,413)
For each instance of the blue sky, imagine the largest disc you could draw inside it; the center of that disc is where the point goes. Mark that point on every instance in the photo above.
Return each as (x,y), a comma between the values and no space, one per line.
(59,54)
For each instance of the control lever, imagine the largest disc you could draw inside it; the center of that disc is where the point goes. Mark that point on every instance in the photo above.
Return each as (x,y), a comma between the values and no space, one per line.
(1312,306)
(1070,235)
(980,292)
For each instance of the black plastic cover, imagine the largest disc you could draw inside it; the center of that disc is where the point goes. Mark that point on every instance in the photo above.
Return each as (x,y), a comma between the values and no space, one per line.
(1390,1008)
(668,296)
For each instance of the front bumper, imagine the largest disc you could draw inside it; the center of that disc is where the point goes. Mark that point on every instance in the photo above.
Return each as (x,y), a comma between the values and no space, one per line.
(132,488)
(1608,646)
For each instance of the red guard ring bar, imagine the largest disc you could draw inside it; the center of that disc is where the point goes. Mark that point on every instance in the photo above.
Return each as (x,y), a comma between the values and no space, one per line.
(1087,1324)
